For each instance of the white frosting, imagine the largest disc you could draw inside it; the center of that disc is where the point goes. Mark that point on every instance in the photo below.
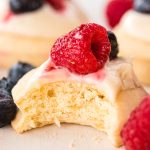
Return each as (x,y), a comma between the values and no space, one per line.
(117,76)
(45,21)
(136,24)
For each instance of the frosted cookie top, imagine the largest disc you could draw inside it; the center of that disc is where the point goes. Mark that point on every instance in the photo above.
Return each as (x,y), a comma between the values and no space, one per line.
(87,54)
(136,24)
(45,21)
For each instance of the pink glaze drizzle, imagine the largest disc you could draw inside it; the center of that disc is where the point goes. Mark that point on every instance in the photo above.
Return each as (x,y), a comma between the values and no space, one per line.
(99,75)
(48,66)
(53,73)
(8,16)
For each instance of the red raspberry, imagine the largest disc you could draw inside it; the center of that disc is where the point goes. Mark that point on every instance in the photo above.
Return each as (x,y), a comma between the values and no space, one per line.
(115,10)
(57,4)
(84,50)
(136,133)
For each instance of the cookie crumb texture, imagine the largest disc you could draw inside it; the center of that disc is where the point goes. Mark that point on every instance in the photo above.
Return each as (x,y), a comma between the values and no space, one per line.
(72,102)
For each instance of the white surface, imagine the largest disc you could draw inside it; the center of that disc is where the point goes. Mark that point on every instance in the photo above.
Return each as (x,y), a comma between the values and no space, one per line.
(68,137)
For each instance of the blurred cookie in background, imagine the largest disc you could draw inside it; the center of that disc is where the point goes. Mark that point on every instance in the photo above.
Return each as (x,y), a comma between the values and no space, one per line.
(29,28)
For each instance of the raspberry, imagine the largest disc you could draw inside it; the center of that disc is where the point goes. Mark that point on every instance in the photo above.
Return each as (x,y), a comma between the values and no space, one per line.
(84,50)
(136,132)
(57,4)
(115,10)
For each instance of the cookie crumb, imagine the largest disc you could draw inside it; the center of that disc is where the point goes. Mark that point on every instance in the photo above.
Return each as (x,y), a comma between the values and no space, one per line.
(57,122)
(97,139)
